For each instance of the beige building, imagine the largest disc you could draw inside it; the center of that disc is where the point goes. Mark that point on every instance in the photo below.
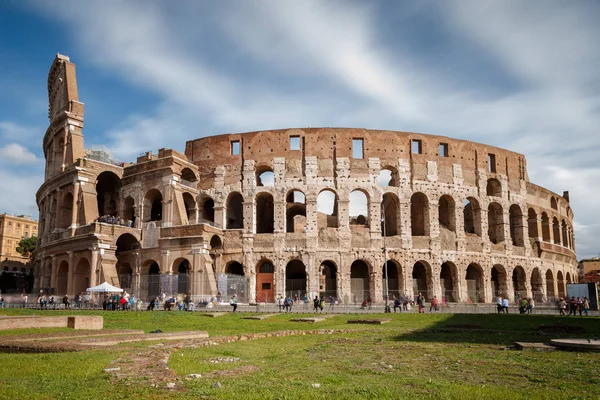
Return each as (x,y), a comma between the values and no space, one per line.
(13,228)
(317,211)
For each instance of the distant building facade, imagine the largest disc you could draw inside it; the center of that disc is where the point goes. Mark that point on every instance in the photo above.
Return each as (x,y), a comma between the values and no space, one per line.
(274,212)
(590,270)
(13,228)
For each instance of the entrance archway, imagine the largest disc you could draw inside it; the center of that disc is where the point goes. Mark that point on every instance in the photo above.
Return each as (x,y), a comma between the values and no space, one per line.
(359,281)
(422,282)
(537,285)
(295,279)
(151,278)
(449,282)
(395,279)
(560,280)
(183,275)
(474,278)
(62,278)
(550,293)
(234,268)
(265,292)
(499,281)
(519,277)
(328,279)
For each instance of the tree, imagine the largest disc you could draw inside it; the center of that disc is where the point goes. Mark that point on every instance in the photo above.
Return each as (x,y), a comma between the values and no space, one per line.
(27,246)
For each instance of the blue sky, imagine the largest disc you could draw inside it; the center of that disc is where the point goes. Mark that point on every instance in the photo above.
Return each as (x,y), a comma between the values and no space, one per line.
(519,75)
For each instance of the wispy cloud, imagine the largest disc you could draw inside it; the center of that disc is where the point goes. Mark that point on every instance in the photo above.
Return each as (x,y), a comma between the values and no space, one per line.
(15,153)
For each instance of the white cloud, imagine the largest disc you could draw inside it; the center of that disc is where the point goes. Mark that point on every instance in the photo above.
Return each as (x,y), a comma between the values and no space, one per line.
(17,191)
(15,153)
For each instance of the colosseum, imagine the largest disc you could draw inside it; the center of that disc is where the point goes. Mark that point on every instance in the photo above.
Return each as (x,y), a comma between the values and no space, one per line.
(350,213)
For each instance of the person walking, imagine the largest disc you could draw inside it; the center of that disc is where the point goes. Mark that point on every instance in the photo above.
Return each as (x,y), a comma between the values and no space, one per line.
(505,305)
(499,305)
(397,304)
(586,305)
(316,304)
(421,303)
(233,302)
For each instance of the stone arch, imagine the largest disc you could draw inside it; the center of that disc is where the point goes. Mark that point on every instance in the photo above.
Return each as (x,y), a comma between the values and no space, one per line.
(499,281)
(265,213)
(553,203)
(126,242)
(395,278)
(449,282)
(295,212)
(328,278)
(153,205)
(422,279)
(234,268)
(446,212)
(568,278)
(419,214)
(532,223)
(66,211)
(216,243)
(182,269)
(188,178)
(495,223)
(550,286)
(475,284)
(556,230)
(295,279)
(537,285)
(108,185)
(81,276)
(124,274)
(516,225)
(519,279)
(561,284)
(206,210)
(388,176)
(359,207)
(360,282)
(493,188)
(327,209)
(545,227)
(265,176)
(62,278)
(389,209)
(151,273)
(265,272)
(235,211)
(472,216)
(190,207)
(129,209)
(565,240)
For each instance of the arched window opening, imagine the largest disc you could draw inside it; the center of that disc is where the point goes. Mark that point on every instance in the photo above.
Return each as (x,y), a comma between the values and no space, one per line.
(474,280)
(569,278)
(265,213)
(295,279)
(449,282)
(328,279)
(556,230)
(153,203)
(499,281)
(235,211)
(153,278)
(207,211)
(472,216)
(108,185)
(183,276)
(388,176)
(216,243)
(519,277)
(190,208)
(553,203)
(494,188)
(446,213)
(265,177)
(129,210)
(66,211)
(422,280)
(327,209)
(81,276)
(359,281)
(359,208)
(516,226)
(126,242)
(560,280)
(394,277)
(389,209)
(532,223)
(537,285)
(235,268)
(545,227)
(565,235)
(188,178)
(62,278)
(550,287)
(419,214)
(495,223)
(124,275)
(295,213)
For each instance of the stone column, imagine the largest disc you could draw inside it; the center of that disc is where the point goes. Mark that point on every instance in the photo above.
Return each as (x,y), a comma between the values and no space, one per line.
(54,272)
(280,216)
(94,270)
(70,274)
(165,268)
(76,185)
(405,224)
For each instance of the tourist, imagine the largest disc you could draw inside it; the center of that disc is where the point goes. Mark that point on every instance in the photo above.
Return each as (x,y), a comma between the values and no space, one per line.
(1,302)
(397,304)
(364,304)
(572,306)
(287,303)
(331,303)
(132,303)
(280,302)
(562,306)
(499,305)
(322,304)
(296,299)
(25,298)
(434,304)
(66,301)
(316,304)
(523,306)
(505,305)
(586,305)
(421,303)
(233,302)
(580,306)
(530,305)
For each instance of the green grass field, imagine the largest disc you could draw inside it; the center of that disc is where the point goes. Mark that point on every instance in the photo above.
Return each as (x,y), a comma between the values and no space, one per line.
(414,356)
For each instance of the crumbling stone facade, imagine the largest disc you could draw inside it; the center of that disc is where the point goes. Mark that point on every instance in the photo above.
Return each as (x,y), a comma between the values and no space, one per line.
(303,212)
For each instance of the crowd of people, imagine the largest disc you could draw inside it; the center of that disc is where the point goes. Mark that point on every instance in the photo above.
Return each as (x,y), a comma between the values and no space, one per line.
(111,219)
(574,306)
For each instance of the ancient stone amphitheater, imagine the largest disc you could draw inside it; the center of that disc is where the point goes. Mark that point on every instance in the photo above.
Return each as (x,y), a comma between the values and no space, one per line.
(349,213)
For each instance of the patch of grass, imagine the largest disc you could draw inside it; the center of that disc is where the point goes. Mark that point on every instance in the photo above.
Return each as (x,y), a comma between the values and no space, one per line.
(413,356)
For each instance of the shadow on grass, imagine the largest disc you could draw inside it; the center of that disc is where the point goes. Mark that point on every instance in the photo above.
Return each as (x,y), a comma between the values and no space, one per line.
(503,329)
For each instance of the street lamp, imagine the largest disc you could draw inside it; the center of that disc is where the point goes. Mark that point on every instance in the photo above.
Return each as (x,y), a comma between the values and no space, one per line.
(385,266)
